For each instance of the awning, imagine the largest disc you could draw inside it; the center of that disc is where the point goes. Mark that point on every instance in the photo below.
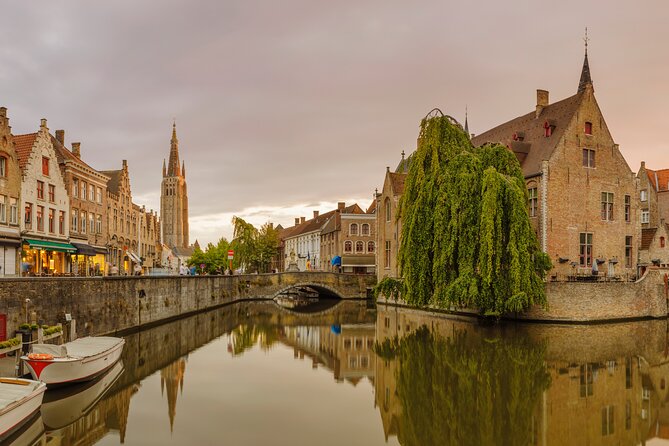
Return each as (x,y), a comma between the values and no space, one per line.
(99,249)
(336,261)
(83,248)
(362,260)
(50,246)
(134,257)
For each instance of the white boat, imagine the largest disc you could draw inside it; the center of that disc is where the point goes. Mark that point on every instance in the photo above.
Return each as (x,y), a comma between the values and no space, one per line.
(76,361)
(19,400)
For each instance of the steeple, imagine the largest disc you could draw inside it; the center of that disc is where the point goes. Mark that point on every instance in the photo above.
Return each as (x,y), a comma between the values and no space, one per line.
(164,168)
(585,72)
(466,123)
(183,169)
(173,165)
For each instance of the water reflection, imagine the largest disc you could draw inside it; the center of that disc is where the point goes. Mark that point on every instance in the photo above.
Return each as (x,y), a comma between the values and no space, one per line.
(255,368)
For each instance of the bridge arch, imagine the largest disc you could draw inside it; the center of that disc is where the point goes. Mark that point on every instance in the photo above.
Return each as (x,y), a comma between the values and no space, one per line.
(319,287)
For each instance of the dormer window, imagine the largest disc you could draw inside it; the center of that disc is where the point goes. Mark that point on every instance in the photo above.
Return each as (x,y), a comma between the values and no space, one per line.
(548,129)
(588,128)
(518,136)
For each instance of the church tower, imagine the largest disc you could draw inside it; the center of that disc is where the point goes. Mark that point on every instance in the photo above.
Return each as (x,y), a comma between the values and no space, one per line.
(174,199)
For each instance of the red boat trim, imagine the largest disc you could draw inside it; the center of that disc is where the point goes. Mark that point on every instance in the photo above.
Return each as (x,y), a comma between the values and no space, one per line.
(38,366)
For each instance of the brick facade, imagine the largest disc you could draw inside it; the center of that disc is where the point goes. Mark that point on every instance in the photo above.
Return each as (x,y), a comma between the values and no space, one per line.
(10,192)
(388,225)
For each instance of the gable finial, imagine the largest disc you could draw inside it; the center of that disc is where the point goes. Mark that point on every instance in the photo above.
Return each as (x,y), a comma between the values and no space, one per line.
(586,79)
(586,40)
(466,122)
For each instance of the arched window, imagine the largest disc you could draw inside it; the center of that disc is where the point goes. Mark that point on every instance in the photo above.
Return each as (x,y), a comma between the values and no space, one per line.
(354,229)
(387,206)
(365,229)
(661,242)
(370,246)
(348,246)
(359,246)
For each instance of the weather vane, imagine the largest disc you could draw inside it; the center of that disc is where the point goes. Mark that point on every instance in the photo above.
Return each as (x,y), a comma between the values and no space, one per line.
(586,39)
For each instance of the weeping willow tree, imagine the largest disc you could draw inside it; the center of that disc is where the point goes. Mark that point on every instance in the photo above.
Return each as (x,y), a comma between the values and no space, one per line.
(466,234)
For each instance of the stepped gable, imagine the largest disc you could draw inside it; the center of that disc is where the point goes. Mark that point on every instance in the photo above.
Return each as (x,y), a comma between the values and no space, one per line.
(526,135)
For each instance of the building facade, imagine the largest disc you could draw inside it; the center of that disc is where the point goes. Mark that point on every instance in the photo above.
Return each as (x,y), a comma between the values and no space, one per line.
(149,240)
(388,223)
(654,209)
(87,190)
(174,199)
(10,193)
(45,204)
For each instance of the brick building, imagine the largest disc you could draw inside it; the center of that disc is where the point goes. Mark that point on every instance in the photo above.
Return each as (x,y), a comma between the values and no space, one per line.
(174,199)
(654,201)
(45,204)
(348,241)
(149,240)
(10,192)
(388,225)
(583,194)
(87,190)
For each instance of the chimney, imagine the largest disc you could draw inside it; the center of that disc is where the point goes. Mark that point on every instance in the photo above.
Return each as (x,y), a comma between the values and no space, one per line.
(60,137)
(643,165)
(542,101)
(297,221)
(76,149)
(3,112)
(303,219)
(341,205)
(316,214)
(125,164)
(42,123)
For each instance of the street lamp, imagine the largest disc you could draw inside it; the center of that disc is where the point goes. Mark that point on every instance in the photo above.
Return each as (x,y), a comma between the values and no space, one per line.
(27,302)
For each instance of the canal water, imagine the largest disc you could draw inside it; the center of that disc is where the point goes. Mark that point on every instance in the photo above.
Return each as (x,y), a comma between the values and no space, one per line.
(346,373)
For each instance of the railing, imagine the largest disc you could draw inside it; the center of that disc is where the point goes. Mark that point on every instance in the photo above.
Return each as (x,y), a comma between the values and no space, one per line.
(591,278)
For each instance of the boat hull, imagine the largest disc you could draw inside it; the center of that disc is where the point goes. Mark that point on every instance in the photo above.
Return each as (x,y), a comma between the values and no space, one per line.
(19,412)
(62,371)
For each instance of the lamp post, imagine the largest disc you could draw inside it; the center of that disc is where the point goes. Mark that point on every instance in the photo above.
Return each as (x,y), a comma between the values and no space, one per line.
(27,302)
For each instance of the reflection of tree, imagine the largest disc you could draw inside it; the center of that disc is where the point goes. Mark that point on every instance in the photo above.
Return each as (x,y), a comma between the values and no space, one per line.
(244,337)
(463,390)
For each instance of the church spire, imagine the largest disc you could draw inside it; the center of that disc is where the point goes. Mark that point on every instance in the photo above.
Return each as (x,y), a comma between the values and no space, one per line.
(173,165)
(466,123)
(585,72)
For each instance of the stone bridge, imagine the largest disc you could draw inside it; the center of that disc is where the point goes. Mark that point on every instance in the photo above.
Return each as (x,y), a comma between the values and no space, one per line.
(343,286)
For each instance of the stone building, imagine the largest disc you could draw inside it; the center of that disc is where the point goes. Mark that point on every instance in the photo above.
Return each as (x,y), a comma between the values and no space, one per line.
(582,192)
(10,191)
(174,199)
(388,225)
(87,190)
(348,241)
(149,240)
(45,204)
(122,221)
(654,201)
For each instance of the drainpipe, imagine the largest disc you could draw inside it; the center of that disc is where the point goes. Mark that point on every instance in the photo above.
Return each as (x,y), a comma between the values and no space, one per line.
(544,206)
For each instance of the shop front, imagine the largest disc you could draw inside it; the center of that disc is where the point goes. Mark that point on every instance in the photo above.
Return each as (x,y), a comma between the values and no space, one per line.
(358,264)
(88,261)
(45,258)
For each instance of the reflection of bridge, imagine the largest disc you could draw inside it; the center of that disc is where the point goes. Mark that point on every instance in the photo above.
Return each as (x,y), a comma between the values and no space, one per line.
(332,284)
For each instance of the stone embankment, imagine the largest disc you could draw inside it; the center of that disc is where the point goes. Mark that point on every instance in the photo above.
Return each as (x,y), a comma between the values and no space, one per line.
(112,304)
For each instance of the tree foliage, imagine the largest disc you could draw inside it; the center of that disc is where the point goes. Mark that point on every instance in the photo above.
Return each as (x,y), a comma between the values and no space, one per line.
(214,257)
(254,248)
(466,238)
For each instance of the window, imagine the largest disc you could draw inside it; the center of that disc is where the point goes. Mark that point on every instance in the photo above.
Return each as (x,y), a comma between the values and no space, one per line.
(607,206)
(45,166)
(359,247)
(75,217)
(348,246)
(644,195)
(353,229)
(98,196)
(585,252)
(607,420)
(91,192)
(84,189)
(13,211)
(40,190)
(370,246)
(3,209)
(589,158)
(628,208)
(628,373)
(3,166)
(661,242)
(52,193)
(28,217)
(387,258)
(40,218)
(586,380)
(534,201)
(628,251)
(82,220)
(98,222)
(52,220)
(645,216)
(588,128)
(365,229)
(548,129)
(91,223)
(75,187)
(387,207)
(61,222)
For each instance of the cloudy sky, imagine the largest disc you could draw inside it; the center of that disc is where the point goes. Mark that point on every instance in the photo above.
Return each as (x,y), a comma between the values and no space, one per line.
(284,107)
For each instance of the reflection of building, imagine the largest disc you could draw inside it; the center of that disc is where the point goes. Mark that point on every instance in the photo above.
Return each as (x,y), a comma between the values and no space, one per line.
(171,382)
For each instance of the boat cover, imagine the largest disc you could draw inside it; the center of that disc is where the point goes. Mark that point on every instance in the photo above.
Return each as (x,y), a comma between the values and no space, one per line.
(15,392)
(91,346)
(57,351)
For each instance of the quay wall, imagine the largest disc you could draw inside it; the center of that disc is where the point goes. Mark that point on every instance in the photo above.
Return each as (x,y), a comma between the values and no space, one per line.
(111,304)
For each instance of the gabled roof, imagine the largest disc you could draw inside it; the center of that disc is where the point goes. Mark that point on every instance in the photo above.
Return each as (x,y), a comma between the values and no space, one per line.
(24,147)
(372,207)
(659,179)
(397,182)
(530,145)
(647,236)
(114,181)
(320,222)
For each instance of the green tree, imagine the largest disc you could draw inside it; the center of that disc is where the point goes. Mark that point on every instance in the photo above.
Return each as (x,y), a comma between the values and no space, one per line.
(466,234)
(254,248)
(214,257)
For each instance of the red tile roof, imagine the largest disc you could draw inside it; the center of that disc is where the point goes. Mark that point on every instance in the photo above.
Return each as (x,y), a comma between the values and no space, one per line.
(24,147)
(659,179)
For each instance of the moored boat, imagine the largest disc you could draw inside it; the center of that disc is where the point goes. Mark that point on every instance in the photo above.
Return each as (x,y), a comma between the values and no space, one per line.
(76,361)
(19,400)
